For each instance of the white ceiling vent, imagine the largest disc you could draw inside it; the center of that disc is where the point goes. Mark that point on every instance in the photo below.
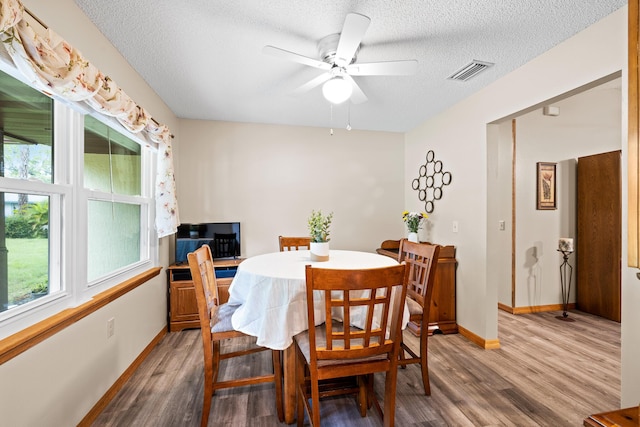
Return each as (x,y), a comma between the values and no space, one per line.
(470,70)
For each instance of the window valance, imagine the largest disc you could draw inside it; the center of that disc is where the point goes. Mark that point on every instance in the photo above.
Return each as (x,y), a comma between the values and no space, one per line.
(53,66)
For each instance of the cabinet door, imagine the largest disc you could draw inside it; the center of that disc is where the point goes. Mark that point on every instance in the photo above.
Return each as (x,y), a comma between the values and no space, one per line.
(183,303)
(443,299)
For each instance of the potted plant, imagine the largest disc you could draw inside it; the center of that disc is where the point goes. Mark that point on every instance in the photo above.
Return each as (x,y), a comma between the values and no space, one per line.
(319,232)
(414,222)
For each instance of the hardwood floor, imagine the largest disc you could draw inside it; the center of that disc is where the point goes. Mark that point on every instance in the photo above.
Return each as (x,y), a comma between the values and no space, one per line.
(546,373)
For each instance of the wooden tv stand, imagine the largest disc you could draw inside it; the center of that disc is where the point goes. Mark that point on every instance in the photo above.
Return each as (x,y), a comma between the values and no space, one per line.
(181,296)
(442,314)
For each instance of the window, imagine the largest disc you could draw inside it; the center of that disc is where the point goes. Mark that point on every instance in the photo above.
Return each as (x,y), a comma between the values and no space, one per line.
(75,205)
(26,154)
(112,165)
(25,245)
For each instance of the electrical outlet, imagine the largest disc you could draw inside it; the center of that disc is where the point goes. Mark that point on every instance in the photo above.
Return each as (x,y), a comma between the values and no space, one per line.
(454,227)
(111,327)
(501,225)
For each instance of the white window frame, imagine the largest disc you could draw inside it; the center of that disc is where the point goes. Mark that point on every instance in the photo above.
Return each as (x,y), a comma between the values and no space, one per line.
(68,201)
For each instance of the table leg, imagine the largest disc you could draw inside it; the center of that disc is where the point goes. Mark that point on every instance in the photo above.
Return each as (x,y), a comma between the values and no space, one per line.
(289,374)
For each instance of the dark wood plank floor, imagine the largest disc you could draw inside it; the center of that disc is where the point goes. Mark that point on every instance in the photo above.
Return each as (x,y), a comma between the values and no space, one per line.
(546,373)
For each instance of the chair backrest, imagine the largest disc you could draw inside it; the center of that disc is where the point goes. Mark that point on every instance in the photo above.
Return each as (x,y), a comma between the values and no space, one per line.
(294,243)
(206,289)
(224,245)
(422,259)
(373,296)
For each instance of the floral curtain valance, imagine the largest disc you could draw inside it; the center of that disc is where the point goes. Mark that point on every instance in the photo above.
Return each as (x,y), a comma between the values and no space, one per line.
(55,67)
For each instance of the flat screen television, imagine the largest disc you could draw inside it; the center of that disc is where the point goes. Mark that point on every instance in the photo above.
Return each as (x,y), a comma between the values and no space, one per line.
(222,237)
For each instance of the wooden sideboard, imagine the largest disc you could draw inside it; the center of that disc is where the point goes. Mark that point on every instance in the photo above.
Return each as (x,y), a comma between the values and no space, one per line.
(442,314)
(181,299)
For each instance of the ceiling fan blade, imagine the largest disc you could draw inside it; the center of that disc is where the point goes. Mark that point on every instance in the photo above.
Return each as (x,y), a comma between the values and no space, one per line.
(317,81)
(285,54)
(358,96)
(355,25)
(389,68)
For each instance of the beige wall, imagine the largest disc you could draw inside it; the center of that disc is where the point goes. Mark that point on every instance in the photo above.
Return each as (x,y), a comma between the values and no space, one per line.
(270,178)
(459,137)
(499,207)
(589,123)
(70,371)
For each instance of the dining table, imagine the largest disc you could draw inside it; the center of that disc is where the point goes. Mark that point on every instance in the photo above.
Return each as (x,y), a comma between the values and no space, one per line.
(270,292)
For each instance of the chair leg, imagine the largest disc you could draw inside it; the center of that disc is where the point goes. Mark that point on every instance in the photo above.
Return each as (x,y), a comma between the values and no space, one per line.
(315,401)
(299,392)
(390,396)
(215,362)
(401,351)
(370,393)
(277,379)
(208,392)
(424,361)
(362,395)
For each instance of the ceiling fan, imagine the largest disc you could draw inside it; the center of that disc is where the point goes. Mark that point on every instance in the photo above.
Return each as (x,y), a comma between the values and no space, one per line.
(338,54)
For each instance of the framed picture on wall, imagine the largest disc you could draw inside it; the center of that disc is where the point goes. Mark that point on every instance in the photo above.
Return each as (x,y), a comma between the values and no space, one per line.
(546,186)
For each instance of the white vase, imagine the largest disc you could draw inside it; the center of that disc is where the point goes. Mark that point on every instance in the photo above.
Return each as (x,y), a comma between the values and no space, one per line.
(412,237)
(319,251)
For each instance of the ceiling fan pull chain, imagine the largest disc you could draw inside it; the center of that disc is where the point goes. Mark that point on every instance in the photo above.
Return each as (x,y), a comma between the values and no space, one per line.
(331,119)
(349,116)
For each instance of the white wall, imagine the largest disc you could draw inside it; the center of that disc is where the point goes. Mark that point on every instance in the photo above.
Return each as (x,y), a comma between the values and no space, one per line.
(459,137)
(270,178)
(66,374)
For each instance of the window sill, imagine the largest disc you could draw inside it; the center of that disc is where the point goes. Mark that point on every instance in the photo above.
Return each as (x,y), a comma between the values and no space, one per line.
(20,342)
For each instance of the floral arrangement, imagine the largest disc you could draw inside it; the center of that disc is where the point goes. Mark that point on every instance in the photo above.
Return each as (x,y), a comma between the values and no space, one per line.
(319,226)
(414,220)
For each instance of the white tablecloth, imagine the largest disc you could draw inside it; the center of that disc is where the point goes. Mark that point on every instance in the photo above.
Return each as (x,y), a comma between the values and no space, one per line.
(271,292)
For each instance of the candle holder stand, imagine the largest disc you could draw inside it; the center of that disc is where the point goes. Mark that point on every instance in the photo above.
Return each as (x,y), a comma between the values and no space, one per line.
(566,271)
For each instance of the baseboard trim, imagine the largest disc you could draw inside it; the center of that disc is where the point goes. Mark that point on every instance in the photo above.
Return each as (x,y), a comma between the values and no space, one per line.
(535,308)
(479,341)
(120,382)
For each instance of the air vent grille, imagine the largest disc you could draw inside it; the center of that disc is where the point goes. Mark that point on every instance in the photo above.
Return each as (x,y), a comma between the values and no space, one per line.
(470,70)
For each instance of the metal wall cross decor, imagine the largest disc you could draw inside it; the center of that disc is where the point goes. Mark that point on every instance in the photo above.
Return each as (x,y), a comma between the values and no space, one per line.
(430,182)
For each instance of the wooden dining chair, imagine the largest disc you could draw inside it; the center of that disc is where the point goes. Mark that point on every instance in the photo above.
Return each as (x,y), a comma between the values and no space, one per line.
(294,243)
(422,259)
(215,326)
(374,300)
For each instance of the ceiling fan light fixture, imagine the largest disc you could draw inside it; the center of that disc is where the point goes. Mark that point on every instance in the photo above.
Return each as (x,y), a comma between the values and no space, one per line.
(337,90)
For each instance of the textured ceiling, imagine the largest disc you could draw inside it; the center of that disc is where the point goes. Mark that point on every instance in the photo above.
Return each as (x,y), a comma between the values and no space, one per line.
(204,57)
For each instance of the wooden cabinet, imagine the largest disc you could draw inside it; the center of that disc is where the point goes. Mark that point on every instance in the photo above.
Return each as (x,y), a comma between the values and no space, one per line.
(442,314)
(181,298)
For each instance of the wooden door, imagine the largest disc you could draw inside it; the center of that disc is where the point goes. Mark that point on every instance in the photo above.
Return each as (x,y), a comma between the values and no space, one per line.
(598,248)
